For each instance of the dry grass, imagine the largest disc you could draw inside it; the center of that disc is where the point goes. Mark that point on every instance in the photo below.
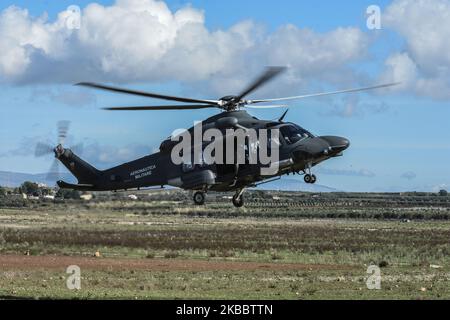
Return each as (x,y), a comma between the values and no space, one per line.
(164,231)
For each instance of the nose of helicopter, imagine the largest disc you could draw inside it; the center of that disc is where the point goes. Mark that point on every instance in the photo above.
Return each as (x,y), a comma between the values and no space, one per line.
(311,149)
(337,144)
(319,147)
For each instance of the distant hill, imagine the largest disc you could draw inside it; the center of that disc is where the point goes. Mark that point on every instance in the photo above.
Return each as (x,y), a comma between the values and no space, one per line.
(295,185)
(15,179)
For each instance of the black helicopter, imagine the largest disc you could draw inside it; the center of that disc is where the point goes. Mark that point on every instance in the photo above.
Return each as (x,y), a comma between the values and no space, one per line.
(299,150)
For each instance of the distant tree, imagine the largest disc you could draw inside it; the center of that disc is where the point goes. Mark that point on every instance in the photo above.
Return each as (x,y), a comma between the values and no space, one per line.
(46,191)
(29,188)
(443,193)
(2,192)
(68,194)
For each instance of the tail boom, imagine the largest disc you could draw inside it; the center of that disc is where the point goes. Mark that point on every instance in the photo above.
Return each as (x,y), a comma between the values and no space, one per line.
(83,171)
(140,173)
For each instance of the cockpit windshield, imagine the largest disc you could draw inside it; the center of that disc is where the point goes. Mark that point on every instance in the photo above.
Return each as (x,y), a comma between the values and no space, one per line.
(293,133)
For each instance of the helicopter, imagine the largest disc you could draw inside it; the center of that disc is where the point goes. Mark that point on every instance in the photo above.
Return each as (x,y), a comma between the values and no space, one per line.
(299,151)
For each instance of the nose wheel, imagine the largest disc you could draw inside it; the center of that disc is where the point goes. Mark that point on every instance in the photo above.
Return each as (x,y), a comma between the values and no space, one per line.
(199,198)
(310,178)
(238,199)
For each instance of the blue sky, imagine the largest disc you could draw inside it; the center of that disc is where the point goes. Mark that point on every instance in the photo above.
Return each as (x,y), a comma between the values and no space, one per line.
(399,139)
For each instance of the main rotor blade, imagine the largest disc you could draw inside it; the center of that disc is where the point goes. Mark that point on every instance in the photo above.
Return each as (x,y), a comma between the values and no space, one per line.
(268,75)
(145,94)
(149,108)
(267,106)
(325,93)
(42,149)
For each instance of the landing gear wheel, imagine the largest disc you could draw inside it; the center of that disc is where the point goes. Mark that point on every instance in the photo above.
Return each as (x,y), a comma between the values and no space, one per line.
(238,202)
(308,178)
(199,198)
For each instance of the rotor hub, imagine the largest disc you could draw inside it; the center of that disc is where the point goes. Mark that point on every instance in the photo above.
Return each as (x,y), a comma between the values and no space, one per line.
(231,103)
(59,151)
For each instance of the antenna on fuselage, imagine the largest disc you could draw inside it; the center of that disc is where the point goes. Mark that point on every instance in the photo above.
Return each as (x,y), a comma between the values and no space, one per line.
(283,116)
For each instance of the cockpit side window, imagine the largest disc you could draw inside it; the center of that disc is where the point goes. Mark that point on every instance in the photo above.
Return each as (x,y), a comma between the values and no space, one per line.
(293,134)
(276,142)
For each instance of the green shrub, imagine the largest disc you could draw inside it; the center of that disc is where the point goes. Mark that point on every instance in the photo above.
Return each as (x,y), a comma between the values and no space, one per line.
(29,187)
(68,194)
(171,255)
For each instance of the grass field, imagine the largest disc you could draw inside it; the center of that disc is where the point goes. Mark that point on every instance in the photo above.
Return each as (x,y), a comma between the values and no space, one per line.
(170,249)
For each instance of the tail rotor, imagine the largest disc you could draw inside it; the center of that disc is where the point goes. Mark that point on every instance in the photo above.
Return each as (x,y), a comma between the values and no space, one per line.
(44,149)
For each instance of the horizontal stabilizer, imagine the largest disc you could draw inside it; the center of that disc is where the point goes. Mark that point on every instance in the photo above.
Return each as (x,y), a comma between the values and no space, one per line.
(80,187)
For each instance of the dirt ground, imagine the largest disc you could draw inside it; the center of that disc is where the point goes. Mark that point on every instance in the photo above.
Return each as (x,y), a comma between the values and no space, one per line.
(151,251)
(18,262)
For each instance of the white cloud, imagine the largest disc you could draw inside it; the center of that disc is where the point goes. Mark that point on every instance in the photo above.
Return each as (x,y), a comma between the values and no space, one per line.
(72,96)
(106,156)
(400,67)
(410,175)
(143,40)
(344,172)
(313,58)
(425,65)
(308,52)
(352,106)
